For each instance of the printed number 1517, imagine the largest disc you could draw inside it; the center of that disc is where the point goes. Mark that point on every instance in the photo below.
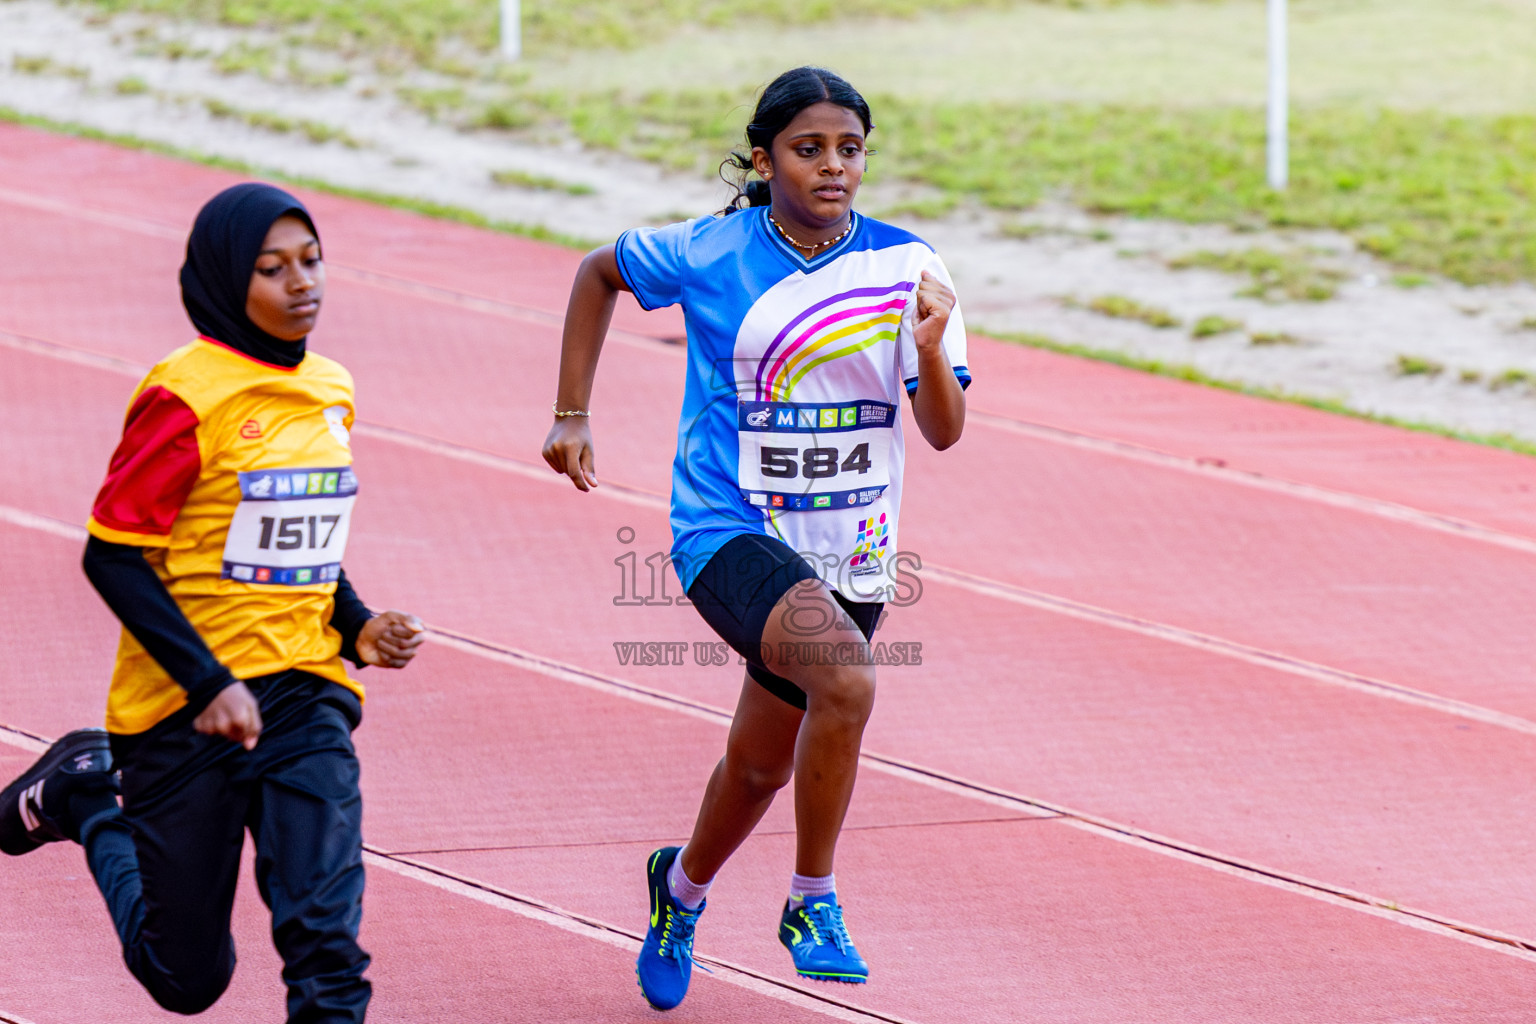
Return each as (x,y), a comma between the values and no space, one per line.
(291,532)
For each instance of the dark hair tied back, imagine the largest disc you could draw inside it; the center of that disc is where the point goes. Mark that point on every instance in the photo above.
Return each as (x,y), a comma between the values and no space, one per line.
(783,100)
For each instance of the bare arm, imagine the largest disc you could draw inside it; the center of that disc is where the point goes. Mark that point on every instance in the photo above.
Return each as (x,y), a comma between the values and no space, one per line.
(568,446)
(939,403)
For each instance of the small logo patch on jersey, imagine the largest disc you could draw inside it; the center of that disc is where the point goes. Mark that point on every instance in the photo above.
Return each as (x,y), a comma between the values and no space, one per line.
(250,430)
(336,421)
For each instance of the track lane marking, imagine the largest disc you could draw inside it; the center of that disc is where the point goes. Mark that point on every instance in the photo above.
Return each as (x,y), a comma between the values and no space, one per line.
(550,914)
(1150,456)
(947,782)
(958,578)
(456,298)
(1131,451)
(613,935)
(1152,842)
(953,783)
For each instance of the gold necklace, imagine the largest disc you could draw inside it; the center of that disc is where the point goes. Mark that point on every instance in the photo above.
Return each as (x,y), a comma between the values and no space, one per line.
(811,249)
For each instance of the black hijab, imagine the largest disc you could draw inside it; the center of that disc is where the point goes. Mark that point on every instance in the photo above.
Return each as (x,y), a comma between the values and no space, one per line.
(221,256)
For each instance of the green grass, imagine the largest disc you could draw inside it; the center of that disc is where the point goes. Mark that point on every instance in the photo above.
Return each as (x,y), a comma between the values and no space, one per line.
(431,31)
(243,57)
(31,65)
(316,131)
(1453,195)
(440,211)
(1210,326)
(522,179)
(1123,308)
(506,115)
(1511,378)
(1276,276)
(1418,366)
(1274,338)
(1450,194)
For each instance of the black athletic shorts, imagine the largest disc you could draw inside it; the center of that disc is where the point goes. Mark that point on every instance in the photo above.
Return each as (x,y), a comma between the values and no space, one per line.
(737,590)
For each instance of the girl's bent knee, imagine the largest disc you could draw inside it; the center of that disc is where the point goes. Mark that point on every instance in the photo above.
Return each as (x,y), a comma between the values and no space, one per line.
(762,781)
(188,997)
(847,691)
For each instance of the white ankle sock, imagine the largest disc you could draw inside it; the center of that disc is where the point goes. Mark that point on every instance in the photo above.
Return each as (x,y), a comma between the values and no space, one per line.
(803,886)
(686,891)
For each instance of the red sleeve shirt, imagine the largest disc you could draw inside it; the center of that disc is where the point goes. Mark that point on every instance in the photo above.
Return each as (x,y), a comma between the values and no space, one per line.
(151,472)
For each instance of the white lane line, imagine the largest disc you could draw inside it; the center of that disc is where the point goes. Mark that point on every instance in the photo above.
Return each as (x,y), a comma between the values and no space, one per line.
(22,739)
(70,354)
(996,796)
(1151,842)
(601,931)
(958,578)
(1483,938)
(7,1017)
(614,686)
(74,211)
(501,463)
(1392,510)
(549,914)
(936,779)
(1037,431)
(1225,648)
(1131,451)
(43,524)
(371,278)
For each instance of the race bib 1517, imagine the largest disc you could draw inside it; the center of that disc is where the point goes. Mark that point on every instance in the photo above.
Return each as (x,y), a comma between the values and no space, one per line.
(290,528)
(804,457)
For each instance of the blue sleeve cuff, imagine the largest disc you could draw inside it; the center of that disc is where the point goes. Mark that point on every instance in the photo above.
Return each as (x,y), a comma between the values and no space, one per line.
(962,374)
(624,272)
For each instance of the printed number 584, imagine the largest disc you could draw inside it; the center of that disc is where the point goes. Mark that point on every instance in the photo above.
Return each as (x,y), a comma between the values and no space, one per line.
(814,464)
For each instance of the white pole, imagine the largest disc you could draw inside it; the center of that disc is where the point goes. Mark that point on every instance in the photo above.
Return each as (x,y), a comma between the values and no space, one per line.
(1279,143)
(511,29)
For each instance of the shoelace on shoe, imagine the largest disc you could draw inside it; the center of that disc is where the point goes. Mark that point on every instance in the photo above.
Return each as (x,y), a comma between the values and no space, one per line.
(677,937)
(827,918)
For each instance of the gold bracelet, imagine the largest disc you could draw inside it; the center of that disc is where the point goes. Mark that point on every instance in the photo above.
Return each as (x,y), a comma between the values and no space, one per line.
(570,412)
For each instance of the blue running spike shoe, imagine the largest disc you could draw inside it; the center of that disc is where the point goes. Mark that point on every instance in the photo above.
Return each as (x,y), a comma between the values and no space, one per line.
(666,957)
(815,936)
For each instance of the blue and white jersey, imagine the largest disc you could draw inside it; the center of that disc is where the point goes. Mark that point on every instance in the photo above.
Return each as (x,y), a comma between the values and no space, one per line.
(791,422)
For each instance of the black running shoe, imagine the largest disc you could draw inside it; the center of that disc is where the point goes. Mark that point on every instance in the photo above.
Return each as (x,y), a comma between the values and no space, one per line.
(35,808)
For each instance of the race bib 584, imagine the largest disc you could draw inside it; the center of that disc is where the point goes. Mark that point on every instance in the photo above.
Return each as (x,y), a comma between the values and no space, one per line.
(803,456)
(290,528)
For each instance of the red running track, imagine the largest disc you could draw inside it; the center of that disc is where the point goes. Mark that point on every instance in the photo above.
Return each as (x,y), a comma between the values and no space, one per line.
(1223,711)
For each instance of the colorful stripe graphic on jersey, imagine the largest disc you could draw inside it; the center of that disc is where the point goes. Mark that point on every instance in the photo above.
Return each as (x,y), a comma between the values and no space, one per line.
(838,332)
(773,337)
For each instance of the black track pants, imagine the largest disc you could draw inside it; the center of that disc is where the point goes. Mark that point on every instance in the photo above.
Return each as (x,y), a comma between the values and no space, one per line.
(167,864)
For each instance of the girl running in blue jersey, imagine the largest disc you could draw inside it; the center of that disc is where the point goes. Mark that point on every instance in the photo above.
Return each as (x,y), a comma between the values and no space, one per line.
(806,322)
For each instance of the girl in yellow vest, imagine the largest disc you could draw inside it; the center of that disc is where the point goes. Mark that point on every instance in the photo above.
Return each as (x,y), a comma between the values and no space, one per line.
(217,540)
